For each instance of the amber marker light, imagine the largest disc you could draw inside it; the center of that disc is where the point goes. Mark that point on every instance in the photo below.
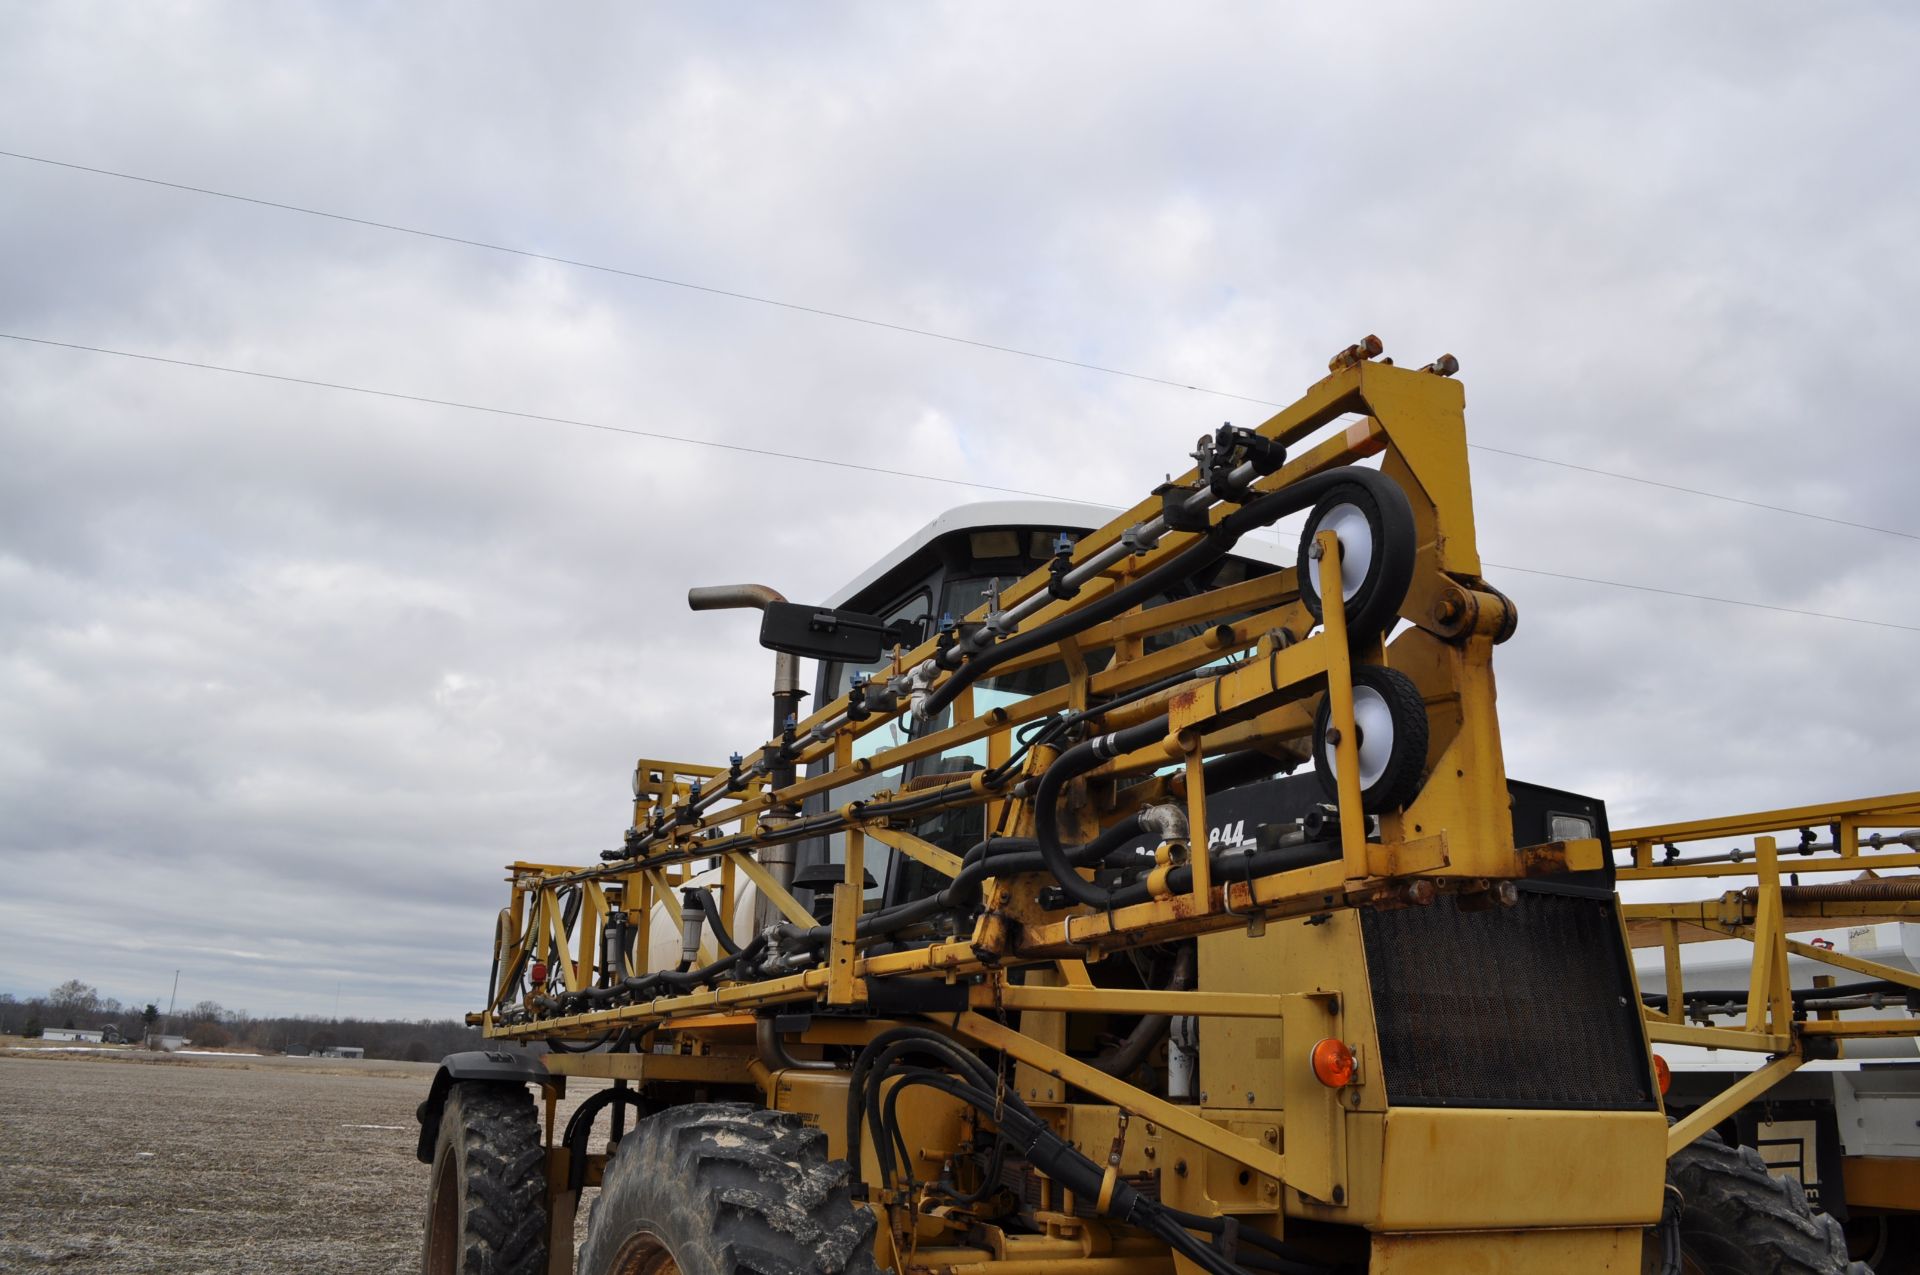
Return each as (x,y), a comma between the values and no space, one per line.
(1333,1063)
(1662,1074)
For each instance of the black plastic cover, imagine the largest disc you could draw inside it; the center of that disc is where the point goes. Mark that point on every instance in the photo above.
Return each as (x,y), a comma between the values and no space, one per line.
(822,633)
(490,1065)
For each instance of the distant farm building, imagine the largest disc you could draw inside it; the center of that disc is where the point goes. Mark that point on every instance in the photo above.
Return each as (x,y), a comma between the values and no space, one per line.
(343,1051)
(168,1043)
(78,1035)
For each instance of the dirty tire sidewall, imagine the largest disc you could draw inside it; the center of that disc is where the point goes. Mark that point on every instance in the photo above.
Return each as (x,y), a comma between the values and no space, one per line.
(487,1195)
(1738,1219)
(726,1188)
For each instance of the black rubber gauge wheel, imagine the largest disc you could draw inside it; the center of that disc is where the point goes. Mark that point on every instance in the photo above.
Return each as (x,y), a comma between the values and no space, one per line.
(1391,722)
(717,1189)
(1374,523)
(1738,1219)
(487,1203)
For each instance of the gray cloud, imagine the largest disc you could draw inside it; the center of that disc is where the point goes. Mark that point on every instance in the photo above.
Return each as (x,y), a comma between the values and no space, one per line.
(286,675)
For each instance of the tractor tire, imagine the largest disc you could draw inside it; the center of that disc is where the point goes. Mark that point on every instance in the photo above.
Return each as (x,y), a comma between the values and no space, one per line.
(716,1189)
(1738,1219)
(487,1205)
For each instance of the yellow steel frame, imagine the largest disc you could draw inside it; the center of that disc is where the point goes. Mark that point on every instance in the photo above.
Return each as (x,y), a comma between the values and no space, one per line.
(1456,832)
(1765,915)
(1415,420)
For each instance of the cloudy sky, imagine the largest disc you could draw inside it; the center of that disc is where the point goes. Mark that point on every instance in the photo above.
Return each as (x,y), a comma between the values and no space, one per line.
(287,673)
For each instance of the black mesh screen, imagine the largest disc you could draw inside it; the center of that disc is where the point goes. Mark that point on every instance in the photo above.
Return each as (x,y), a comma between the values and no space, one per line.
(1528,1006)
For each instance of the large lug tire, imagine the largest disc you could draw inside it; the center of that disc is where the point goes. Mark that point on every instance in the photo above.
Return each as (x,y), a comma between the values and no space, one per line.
(1738,1219)
(1373,520)
(1391,719)
(487,1202)
(720,1189)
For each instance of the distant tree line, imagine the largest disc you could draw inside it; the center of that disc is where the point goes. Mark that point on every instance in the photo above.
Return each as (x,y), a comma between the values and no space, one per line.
(210,1025)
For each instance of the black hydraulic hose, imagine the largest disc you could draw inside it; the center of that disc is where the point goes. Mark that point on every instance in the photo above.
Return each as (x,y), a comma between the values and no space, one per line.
(496,989)
(1147,1032)
(1138,693)
(1017,1126)
(1658,1000)
(996,856)
(639,985)
(887,1139)
(1214,544)
(1290,1257)
(918,801)
(1076,761)
(865,1060)
(1246,767)
(1229,867)
(580,1129)
(704,901)
(1075,1172)
(989,1177)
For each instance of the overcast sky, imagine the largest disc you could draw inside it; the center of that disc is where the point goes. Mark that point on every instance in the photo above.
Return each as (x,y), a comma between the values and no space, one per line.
(287,674)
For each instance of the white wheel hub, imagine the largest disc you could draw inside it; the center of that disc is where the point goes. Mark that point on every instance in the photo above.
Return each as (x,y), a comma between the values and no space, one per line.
(1373,723)
(1349,524)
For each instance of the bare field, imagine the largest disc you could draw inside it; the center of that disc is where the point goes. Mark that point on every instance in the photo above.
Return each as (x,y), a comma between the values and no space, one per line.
(146,1163)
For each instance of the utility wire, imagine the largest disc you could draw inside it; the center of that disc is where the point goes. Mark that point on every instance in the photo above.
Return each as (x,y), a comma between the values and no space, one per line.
(820,460)
(1696,491)
(1702,597)
(818,311)
(844,317)
(535,416)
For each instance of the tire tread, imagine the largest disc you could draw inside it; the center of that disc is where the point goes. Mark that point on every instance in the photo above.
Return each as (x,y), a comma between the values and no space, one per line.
(1739,1219)
(733,1188)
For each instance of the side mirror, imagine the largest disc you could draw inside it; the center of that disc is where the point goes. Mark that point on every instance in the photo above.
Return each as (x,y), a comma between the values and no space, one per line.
(822,633)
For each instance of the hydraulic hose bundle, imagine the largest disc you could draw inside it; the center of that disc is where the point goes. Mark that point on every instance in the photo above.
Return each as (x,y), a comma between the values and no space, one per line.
(1373,520)
(955,1071)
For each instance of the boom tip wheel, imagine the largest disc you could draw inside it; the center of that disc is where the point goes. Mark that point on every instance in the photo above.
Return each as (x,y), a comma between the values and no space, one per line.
(1390,722)
(1370,516)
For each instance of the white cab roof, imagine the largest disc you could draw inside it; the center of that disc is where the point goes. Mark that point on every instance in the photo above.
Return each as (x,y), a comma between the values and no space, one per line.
(1258,547)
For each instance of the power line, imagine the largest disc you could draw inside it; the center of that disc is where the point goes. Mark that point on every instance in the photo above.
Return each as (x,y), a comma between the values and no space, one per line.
(844,317)
(533,416)
(544,418)
(1696,491)
(817,311)
(1703,597)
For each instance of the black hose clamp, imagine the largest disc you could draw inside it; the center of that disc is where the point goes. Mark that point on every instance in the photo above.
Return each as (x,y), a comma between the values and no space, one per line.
(1230,448)
(1057,585)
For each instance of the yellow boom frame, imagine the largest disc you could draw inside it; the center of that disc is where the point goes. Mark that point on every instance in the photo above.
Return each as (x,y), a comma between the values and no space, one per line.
(1766,915)
(1280,964)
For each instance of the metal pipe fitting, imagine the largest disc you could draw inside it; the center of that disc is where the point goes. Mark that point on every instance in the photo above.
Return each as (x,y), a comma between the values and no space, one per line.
(773,1051)
(752,597)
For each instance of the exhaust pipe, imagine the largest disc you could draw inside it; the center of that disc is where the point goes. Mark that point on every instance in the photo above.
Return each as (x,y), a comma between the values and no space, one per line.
(787,695)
